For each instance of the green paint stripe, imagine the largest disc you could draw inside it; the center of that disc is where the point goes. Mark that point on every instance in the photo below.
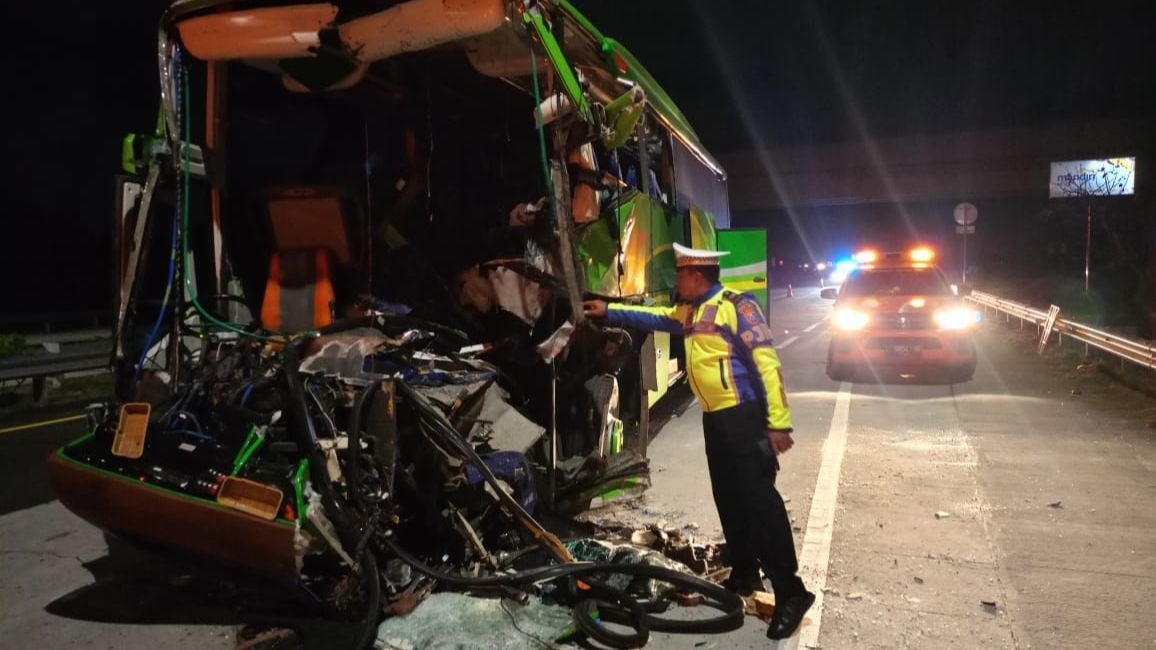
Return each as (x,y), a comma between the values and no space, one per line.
(746,277)
(561,65)
(747,286)
(299,487)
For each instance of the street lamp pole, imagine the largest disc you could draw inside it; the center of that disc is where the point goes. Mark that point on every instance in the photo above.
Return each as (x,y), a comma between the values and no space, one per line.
(965,258)
(1088,251)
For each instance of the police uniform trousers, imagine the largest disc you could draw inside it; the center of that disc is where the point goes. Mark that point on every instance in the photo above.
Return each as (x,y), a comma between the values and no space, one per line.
(742,477)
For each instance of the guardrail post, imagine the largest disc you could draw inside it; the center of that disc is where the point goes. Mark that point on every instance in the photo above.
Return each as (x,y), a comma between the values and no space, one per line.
(1139,351)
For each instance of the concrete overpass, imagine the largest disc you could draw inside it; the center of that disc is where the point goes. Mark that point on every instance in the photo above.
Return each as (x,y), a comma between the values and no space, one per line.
(822,202)
(978,165)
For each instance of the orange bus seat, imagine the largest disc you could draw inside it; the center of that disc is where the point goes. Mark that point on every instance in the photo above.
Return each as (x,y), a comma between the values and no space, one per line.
(299,292)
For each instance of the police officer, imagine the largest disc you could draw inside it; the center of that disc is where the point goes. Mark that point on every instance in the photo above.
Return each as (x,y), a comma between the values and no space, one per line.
(735,374)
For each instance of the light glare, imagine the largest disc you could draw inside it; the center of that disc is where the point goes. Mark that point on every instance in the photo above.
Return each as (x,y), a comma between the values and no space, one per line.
(850,319)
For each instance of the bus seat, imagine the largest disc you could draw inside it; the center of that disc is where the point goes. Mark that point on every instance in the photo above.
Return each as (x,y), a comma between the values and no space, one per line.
(299,291)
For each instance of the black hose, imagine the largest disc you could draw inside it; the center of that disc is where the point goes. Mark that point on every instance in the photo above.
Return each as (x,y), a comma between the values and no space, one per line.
(192,418)
(370,576)
(307,437)
(353,453)
(302,426)
(529,576)
(585,611)
(724,600)
(719,597)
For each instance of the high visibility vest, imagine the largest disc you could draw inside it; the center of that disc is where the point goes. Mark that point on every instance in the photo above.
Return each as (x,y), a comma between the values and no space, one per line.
(730,355)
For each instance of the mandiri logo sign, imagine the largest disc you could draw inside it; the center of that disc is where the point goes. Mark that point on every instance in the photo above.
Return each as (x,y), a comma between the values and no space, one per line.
(1107,177)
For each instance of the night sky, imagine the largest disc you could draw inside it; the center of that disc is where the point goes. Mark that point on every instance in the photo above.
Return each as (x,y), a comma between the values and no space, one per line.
(812,72)
(772,73)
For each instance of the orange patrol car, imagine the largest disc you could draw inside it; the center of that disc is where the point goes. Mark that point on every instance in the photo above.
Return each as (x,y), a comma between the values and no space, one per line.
(897,312)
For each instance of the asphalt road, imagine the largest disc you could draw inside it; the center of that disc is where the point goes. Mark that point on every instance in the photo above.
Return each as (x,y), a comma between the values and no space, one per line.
(1043,477)
(1011,511)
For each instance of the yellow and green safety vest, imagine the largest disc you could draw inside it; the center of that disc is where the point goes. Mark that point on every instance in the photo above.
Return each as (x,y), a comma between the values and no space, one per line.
(730,355)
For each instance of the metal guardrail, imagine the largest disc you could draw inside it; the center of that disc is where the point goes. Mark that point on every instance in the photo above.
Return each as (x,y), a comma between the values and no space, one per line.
(51,355)
(68,337)
(33,367)
(55,321)
(1139,352)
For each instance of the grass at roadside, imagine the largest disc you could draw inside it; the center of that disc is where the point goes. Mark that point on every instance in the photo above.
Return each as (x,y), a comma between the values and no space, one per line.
(70,394)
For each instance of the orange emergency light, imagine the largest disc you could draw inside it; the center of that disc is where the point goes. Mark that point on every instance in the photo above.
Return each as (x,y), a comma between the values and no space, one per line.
(922,254)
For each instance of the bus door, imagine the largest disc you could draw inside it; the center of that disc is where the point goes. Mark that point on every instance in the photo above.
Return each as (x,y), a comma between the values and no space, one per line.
(745,269)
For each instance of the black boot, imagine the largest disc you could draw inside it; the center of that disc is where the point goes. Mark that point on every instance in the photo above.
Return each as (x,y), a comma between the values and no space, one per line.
(788,615)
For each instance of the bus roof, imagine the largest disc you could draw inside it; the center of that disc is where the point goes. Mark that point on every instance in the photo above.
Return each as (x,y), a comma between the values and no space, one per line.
(234,33)
(622,62)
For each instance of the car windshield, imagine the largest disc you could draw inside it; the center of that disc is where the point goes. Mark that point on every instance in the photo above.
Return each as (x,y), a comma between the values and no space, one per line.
(896,282)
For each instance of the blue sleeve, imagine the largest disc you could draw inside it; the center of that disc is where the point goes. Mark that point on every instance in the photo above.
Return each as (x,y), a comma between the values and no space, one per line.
(758,349)
(752,327)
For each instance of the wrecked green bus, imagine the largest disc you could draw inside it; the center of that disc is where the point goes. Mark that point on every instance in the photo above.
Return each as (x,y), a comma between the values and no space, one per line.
(351,262)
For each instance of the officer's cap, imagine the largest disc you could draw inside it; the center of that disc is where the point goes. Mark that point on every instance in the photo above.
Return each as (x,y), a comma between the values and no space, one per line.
(685,256)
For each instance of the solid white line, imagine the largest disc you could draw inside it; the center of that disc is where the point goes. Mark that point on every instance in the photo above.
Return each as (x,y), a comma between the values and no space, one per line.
(816,554)
(784,344)
(812,327)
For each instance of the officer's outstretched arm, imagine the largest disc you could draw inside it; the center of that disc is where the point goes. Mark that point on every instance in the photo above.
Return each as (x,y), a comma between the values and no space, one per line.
(755,334)
(661,319)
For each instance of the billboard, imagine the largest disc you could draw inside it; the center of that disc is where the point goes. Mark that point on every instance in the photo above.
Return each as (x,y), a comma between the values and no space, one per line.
(1106,177)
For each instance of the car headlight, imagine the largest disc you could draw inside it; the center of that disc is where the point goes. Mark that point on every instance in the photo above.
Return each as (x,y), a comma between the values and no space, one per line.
(851,319)
(957,318)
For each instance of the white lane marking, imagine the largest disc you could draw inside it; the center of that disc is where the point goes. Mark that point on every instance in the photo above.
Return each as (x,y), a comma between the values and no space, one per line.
(784,344)
(812,327)
(816,554)
(1007,589)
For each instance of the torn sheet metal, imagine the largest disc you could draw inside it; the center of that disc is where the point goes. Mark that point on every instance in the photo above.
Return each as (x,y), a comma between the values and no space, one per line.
(517,294)
(603,391)
(556,343)
(636,259)
(344,356)
(322,524)
(450,394)
(502,425)
(586,203)
(598,254)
